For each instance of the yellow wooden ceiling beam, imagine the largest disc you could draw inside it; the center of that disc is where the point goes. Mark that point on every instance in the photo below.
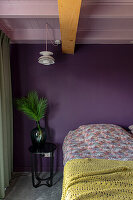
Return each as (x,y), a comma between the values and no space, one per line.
(69,11)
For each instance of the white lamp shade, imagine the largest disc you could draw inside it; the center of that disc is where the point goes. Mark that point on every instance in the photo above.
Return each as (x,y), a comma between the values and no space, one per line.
(46,60)
(46,56)
(46,53)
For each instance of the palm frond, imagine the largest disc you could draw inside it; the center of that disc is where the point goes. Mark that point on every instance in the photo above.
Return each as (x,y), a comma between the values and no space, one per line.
(31,106)
(41,108)
(32,97)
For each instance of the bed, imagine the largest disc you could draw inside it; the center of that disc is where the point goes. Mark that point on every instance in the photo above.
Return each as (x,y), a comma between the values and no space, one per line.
(98,163)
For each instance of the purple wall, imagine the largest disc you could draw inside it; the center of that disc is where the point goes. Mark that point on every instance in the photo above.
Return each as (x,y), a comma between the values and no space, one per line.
(93,86)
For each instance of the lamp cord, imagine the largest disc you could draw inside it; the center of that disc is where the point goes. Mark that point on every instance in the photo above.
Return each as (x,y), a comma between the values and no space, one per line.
(46,35)
(47,38)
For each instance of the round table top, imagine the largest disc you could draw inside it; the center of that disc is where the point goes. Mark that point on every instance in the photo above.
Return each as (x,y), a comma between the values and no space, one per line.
(47,148)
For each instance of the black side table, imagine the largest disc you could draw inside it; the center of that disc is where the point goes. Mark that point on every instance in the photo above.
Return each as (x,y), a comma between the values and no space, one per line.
(46,151)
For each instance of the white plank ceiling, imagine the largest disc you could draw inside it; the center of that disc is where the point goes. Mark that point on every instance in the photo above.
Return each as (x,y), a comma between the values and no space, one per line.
(101,21)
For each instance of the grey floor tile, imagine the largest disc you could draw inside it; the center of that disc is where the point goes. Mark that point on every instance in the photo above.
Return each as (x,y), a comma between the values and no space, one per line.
(22,189)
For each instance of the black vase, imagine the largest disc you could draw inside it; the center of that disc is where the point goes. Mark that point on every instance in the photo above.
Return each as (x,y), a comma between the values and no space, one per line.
(38,137)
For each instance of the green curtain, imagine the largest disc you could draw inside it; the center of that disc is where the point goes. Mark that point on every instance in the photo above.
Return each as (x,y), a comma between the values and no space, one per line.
(6,116)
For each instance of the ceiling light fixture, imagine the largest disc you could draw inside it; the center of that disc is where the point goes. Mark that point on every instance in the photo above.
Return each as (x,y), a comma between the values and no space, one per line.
(46,56)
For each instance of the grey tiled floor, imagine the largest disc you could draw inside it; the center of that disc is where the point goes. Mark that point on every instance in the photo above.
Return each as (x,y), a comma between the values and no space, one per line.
(22,189)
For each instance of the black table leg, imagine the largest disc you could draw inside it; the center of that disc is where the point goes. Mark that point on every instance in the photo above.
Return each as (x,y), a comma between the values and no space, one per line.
(47,150)
(36,180)
(34,171)
(51,168)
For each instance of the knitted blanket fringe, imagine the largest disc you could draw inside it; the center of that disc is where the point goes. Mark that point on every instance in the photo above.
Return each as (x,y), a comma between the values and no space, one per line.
(99,179)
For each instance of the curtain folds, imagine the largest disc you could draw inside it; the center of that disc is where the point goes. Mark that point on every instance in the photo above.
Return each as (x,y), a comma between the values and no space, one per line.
(6,115)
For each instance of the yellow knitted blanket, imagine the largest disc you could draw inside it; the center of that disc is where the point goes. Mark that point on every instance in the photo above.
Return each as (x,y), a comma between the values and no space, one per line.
(98,179)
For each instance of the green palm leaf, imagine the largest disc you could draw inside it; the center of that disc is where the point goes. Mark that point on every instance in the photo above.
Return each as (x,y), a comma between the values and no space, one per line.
(32,106)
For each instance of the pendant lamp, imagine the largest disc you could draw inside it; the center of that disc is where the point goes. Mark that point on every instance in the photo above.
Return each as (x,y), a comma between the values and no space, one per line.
(46,56)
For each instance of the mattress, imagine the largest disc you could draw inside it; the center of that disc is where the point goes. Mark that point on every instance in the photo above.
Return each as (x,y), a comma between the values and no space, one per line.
(99,141)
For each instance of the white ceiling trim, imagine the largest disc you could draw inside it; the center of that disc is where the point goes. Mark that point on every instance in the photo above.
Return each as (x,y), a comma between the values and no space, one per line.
(51,11)
(82,35)
(34,34)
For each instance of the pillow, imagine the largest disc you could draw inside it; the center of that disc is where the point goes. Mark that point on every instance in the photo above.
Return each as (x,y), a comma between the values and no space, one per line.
(131,128)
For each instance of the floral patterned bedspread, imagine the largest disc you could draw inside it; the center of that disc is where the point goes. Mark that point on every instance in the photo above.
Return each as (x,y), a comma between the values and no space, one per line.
(105,141)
